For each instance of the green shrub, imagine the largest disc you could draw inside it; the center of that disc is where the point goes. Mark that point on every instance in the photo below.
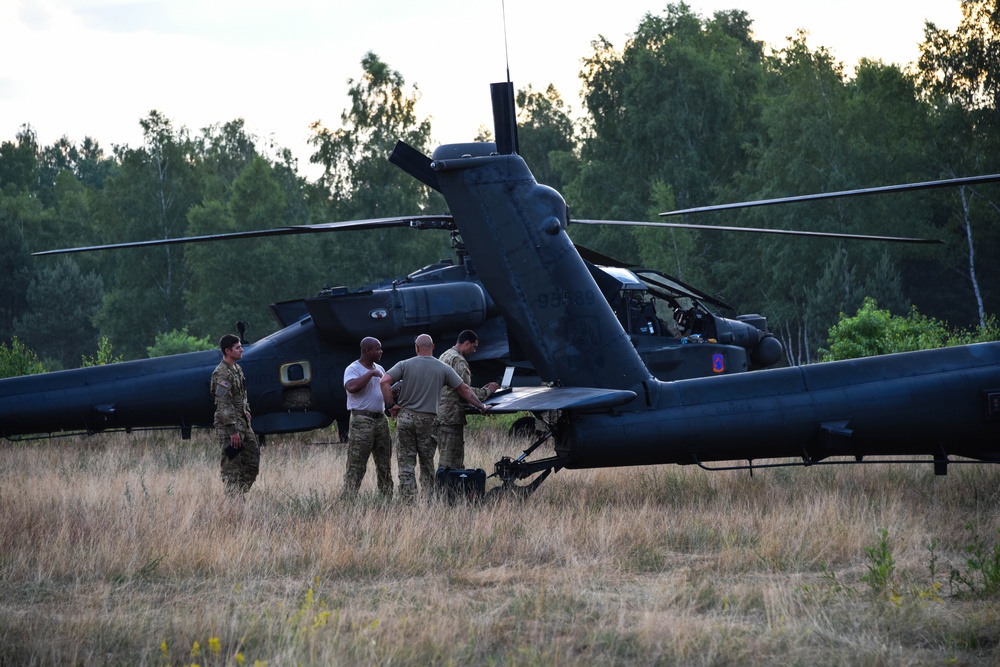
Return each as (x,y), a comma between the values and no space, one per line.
(177,342)
(105,355)
(17,360)
(873,332)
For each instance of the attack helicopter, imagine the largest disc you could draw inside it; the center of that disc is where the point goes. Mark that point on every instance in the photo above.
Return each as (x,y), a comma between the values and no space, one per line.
(575,326)
(612,411)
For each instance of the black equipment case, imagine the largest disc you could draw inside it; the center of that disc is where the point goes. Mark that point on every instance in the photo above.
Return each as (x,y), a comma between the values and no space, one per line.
(455,483)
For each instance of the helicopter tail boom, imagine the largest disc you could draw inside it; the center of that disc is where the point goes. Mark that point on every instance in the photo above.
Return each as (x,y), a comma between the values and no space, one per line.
(132,394)
(934,402)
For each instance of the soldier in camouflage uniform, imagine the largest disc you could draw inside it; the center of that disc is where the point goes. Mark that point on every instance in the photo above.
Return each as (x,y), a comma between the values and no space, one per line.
(240,450)
(421,378)
(450,427)
(368,436)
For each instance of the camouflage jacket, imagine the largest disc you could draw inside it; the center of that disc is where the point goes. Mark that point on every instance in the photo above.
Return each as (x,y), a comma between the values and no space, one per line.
(452,408)
(229,389)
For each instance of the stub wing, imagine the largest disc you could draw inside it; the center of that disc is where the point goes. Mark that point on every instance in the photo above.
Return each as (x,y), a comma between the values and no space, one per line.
(533,399)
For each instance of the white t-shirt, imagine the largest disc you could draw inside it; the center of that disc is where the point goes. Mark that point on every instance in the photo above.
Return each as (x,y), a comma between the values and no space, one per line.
(369,398)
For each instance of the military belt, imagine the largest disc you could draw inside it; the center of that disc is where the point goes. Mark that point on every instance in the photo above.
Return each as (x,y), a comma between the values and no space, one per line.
(422,414)
(368,413)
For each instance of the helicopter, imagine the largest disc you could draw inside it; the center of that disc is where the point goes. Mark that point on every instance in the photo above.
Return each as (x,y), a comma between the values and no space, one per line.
(612,411)
(582,330)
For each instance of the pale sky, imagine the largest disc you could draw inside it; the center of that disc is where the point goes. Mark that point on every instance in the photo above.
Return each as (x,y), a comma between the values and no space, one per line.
(96,67)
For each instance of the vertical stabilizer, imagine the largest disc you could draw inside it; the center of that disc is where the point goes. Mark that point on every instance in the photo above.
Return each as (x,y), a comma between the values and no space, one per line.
(515,229)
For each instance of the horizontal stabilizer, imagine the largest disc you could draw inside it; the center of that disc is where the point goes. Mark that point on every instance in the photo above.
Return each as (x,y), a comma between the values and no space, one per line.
(414,163)
(534,399)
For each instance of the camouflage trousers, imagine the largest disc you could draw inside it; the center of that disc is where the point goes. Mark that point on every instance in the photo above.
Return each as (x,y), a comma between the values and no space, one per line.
(239,472)
(451,445)
(368,437)
(415,444)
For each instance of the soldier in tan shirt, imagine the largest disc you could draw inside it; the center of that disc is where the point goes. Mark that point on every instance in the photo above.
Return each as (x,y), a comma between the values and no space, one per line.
(421,378)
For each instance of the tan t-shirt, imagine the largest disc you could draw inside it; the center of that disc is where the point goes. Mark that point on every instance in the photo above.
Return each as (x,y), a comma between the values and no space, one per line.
(421,381)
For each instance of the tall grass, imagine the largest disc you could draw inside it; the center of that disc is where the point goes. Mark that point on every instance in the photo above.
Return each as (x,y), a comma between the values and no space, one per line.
(124,550)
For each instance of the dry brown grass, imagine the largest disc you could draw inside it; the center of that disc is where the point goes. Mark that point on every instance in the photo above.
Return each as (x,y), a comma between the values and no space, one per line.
(115,548)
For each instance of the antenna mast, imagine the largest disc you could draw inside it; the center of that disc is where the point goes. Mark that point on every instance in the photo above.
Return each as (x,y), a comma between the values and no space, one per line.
(506,53)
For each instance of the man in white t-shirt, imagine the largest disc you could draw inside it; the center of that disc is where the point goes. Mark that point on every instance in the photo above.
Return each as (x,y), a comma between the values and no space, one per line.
(368,435)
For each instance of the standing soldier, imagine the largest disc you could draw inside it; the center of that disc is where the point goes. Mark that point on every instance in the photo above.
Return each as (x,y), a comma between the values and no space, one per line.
(421,378)
(451,413)
(240,450)
(369,430)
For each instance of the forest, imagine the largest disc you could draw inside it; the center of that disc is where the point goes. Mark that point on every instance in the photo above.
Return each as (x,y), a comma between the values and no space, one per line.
(691,111)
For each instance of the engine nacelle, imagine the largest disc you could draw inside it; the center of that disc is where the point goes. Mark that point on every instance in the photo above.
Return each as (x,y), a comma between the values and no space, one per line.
(402,311)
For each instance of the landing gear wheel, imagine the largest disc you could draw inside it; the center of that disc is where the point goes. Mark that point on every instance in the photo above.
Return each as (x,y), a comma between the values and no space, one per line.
(508,489)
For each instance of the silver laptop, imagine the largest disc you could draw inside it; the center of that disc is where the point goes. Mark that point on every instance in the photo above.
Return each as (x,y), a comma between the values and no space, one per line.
(508,377)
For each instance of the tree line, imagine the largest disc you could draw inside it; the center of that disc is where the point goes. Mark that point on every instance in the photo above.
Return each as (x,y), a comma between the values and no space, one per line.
(690,111)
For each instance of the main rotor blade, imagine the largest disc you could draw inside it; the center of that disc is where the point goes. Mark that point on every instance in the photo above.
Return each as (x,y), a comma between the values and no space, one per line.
(904,187)
(759,230)
(415,221)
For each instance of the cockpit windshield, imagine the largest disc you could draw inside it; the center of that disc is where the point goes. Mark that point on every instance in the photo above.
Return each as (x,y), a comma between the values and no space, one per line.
(652,303)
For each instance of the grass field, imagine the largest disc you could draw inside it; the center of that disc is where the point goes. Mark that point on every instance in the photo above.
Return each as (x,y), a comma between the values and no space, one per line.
(123,550)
